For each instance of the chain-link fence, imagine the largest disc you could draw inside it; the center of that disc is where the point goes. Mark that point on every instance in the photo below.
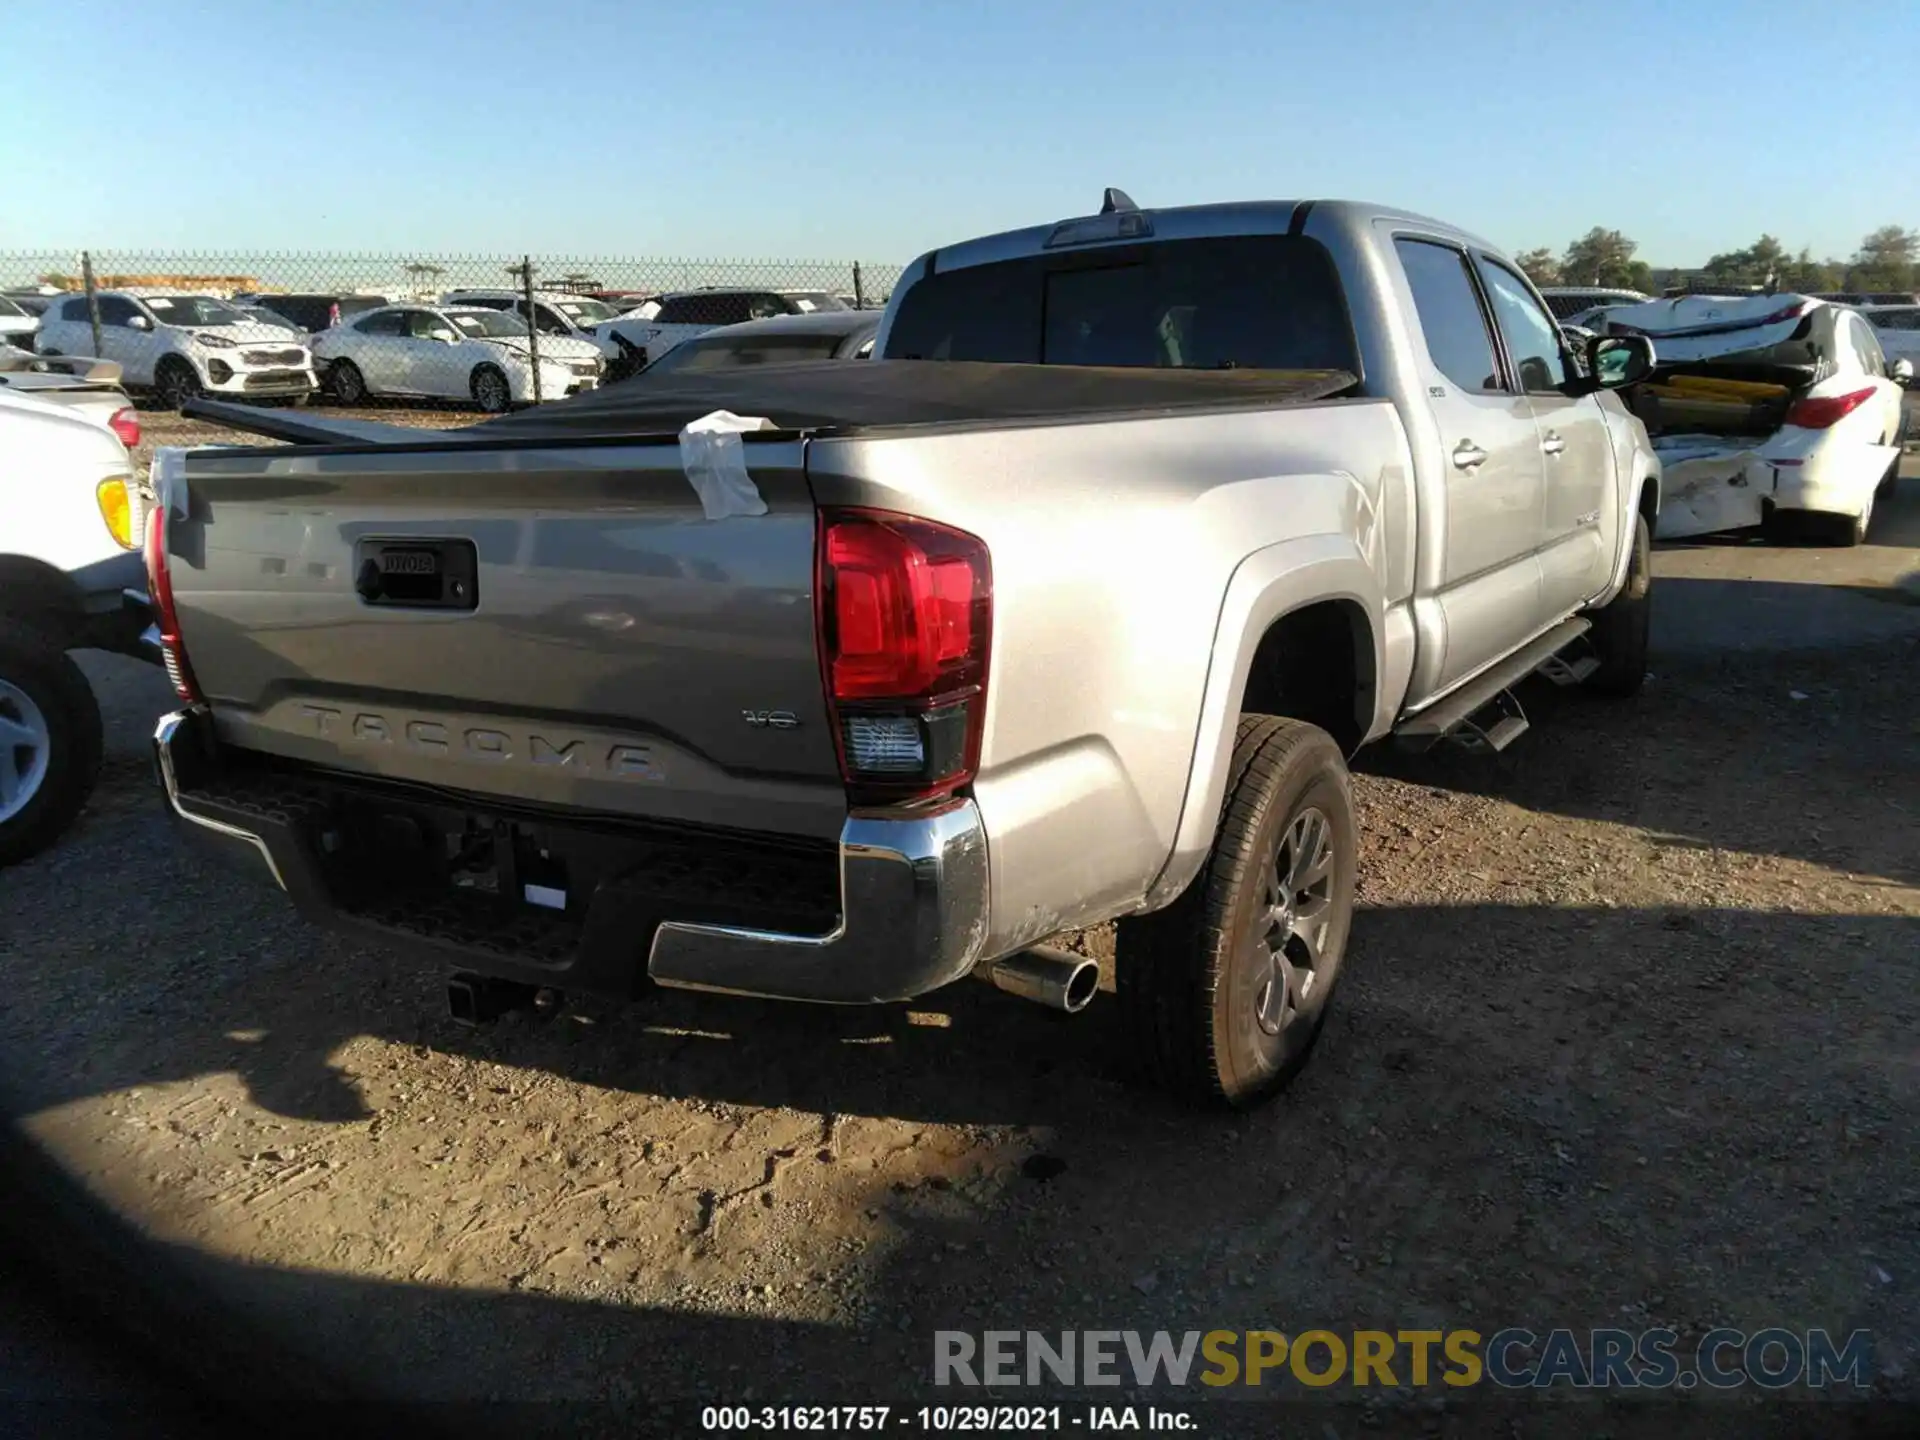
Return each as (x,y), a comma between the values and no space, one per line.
(491,331)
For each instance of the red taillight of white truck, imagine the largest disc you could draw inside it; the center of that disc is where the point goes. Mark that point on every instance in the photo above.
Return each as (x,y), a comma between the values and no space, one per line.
(125,422)
(166,619)
(905,612)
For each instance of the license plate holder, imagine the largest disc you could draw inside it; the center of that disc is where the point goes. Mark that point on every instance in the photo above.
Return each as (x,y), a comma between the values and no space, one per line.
(417,573)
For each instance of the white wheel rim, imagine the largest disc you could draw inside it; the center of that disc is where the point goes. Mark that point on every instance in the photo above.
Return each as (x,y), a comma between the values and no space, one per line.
(25,747)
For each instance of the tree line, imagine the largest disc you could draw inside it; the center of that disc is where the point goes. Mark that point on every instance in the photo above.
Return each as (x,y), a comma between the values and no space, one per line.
(1887,259)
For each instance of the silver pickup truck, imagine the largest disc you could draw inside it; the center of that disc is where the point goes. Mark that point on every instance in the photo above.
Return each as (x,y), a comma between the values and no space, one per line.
(1068,608)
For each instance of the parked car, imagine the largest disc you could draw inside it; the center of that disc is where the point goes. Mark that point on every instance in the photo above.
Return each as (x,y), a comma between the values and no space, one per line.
(555,313)
(71,578)
(34,302)
(178,345)
(85,387)
(261,315)
(1869,297)
(450,353)
(18,325)
(1567,301)
(624,302)
(950,659)
(316,312)
(1774,410)
(822,335)
(659,325)
(1589,318)
(1897,328)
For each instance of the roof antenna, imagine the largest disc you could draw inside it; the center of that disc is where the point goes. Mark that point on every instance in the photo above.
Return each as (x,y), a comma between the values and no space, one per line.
(1116,199)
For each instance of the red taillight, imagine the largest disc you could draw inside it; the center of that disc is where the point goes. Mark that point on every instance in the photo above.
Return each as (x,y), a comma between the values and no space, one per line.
(905,611)
(160,592)
(125,422)
(333,316)
(1817,413)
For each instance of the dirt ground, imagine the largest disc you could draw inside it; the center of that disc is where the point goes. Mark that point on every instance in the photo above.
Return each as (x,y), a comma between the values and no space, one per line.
(1627,1037)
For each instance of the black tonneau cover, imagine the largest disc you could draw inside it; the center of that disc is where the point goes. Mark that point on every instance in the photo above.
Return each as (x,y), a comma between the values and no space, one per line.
(829,395)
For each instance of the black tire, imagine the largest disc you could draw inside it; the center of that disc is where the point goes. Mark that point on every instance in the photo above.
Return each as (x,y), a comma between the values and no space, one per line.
(491,392)
(1621,627)
(345,383)
(35,670)
(175,382)
(1841,532)
(1195,981)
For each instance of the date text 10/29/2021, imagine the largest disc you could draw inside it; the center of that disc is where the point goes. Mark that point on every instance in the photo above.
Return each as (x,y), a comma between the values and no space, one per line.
(945,1419)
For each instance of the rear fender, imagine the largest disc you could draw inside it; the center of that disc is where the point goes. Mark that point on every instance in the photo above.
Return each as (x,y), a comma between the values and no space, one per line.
(1267,585)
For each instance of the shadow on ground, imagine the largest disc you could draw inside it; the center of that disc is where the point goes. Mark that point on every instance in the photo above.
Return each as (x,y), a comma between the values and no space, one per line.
(1421,1172)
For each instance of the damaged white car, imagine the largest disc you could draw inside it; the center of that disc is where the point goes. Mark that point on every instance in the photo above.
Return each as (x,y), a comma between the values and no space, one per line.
(1771,410)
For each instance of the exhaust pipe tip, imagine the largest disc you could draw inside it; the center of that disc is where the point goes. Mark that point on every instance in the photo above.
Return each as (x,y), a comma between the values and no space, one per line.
(1049,976)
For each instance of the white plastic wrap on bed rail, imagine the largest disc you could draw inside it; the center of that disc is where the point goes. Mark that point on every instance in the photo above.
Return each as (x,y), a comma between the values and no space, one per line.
(715,459)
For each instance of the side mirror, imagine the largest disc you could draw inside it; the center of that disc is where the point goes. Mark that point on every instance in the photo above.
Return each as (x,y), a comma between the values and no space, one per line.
(139,322)
(1902,373)
(445,337)
(1614,361)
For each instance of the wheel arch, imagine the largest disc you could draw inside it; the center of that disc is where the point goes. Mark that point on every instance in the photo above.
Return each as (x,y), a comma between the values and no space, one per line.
(1290,610)
(41,596)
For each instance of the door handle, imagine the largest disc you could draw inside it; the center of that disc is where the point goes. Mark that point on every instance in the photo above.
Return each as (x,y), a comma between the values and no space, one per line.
(1466,455)
(1553,444)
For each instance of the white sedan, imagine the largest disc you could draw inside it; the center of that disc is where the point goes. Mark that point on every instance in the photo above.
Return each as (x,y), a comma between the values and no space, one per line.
(450,353)
(1780,410)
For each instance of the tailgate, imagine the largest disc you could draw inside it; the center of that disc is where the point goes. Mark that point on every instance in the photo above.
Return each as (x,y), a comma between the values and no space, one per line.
(558,626)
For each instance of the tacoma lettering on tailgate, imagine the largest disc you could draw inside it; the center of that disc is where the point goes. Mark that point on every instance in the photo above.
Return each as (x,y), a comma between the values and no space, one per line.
(483,745)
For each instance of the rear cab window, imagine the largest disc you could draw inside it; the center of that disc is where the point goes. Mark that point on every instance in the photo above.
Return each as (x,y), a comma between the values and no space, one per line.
(1265,302)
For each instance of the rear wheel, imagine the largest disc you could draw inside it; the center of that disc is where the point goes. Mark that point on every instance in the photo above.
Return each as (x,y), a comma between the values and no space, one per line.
(49,742)
(490,389)
(1223,993)
(1621,628)
(175,382)
(1842,531)
(346,383)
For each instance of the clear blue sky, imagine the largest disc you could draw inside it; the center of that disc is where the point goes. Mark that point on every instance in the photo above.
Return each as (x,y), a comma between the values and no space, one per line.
(875,130)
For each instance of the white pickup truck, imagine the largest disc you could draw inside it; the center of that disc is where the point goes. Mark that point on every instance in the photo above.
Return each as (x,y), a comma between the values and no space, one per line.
(71,578)
(1068,607)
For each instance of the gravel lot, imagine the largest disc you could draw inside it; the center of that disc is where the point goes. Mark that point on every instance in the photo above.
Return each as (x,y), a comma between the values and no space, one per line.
(1627,1039)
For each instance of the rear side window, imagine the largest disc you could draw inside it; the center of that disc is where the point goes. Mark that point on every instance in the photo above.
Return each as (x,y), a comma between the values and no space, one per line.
(1866,347)
(1261,302)
(75,309)
(308,313)
(387,322)
(724,308)
(707,355)
(1450,314)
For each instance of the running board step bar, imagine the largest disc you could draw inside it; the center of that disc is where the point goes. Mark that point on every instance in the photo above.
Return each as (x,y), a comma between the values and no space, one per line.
(1491,728)
(1450,712)
(1566,670)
